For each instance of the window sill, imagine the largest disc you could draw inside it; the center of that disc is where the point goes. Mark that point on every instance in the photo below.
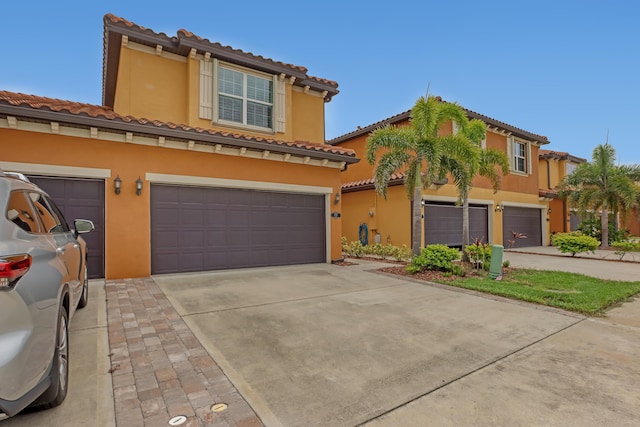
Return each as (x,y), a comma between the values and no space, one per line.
(240,126)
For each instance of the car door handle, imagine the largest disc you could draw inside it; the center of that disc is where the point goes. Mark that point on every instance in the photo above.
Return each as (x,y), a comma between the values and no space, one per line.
(60,251)
(76,246)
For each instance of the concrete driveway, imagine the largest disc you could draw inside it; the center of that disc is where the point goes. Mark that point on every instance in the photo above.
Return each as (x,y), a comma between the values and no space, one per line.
(321,345)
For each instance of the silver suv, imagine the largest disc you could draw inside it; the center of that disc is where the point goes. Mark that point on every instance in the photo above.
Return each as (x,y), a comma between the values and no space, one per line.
(43,279)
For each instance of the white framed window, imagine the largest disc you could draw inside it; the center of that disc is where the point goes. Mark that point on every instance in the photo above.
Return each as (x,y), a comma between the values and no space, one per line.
(520,153)
(244,98)
(240,97)
(570,168)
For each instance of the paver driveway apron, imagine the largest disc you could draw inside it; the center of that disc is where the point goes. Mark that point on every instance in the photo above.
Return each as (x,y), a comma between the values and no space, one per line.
(326,345)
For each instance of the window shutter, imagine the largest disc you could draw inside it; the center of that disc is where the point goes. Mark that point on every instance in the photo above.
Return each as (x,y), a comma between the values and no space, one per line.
(280,104)
(528,151)
(206,89)
(510,152)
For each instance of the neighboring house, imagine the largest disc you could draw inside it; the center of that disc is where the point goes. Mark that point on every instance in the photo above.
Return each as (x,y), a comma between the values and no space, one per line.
(218,156)
(494,218)
(554,166)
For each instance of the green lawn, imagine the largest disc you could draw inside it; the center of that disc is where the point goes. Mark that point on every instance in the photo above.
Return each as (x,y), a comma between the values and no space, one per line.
(568,291)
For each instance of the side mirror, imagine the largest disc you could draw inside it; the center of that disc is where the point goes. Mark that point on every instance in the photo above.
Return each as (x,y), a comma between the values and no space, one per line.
(83,226)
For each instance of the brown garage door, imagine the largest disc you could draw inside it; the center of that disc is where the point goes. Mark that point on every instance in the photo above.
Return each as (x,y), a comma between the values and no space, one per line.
(199,229)
(443,223)
(521,220)
(81,199)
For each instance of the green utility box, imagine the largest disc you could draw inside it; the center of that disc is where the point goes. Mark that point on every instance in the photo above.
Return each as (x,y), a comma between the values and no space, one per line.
(496,261)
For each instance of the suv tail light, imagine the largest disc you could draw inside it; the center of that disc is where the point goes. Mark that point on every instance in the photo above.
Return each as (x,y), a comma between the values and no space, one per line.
(13,268)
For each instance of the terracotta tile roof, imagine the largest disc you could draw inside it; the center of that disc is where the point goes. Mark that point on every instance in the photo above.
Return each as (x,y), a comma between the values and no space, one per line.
(183,43)
(559,155)
(33,102)
(550,194)
(188,34)
(406,115)
(396,179)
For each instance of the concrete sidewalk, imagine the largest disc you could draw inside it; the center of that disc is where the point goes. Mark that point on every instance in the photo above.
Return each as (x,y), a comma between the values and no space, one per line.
(599,254)
(600,264)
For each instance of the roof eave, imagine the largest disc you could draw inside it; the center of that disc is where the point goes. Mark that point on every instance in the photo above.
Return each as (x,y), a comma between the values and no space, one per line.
(47,115)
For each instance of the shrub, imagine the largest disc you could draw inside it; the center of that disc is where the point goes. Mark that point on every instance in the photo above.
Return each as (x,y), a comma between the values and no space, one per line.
(621,248)
(357,250)
(434,257)
(575,242)
(401,253)
(506,263)
(479,254)
(593,227)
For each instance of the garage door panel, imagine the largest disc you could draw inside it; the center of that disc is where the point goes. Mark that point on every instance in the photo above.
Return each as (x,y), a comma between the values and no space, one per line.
(81,199)
(443,224)
(521,220)
(233,228)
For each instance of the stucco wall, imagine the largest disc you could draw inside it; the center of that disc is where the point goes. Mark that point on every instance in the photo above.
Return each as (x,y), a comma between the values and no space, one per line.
(168,89)
(127,216)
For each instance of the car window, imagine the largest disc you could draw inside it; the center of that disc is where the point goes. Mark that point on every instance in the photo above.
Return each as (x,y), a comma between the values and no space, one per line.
(51,218)
(20,212)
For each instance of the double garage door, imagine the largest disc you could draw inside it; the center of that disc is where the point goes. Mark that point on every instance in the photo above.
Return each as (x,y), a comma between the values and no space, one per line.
(443,223)
(199,229)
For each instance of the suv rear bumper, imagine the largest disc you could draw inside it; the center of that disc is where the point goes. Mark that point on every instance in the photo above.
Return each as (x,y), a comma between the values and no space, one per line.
(11,407)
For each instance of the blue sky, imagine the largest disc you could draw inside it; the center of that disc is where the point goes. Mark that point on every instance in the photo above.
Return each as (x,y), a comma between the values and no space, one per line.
(566,69)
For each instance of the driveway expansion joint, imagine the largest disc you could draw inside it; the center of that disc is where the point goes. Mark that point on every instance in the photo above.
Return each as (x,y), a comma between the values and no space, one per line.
(471,372)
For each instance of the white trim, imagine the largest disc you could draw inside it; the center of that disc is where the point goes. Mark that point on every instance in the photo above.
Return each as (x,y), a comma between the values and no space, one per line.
(53,170)
(156,51)
(115,136)
(280,112)
(524,205)
(160,178)
(327,226)
(206,89)
(429,198)
(308,92)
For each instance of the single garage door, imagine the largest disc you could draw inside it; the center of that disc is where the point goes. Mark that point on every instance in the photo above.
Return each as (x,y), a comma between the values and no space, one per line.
(199,229)
(526,221)
(81,199)
(443,223)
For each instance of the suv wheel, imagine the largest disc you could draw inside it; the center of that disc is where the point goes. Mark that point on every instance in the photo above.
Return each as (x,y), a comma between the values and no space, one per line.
(57,391)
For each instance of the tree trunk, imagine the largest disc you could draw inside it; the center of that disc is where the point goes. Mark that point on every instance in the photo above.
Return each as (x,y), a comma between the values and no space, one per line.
(416,212)
(604,225)
(465,225)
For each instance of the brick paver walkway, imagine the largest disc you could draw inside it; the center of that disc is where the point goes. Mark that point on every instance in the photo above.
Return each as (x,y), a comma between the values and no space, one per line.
(159,368)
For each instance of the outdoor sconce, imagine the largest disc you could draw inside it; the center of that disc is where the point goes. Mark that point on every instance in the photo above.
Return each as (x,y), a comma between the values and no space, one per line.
(549,210)
(138,186)
(336,199)
(117,184)
(499,207)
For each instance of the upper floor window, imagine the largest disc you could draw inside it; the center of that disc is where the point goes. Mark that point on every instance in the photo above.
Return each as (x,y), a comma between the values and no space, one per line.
(244,98)
(570,168)
(520,156)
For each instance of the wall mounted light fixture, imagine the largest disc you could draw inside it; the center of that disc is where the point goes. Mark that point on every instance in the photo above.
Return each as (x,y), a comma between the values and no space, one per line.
(139,186)
(499,207)
(336,199)
(549,210)
(117,184)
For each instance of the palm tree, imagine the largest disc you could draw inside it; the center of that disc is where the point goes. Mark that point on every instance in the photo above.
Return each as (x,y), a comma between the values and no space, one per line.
(464,159)
(415,150)
(601,184)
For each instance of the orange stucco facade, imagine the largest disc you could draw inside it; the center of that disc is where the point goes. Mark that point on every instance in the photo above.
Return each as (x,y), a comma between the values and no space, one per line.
(166,88)
(152,127)
(127,227)
(393,220)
